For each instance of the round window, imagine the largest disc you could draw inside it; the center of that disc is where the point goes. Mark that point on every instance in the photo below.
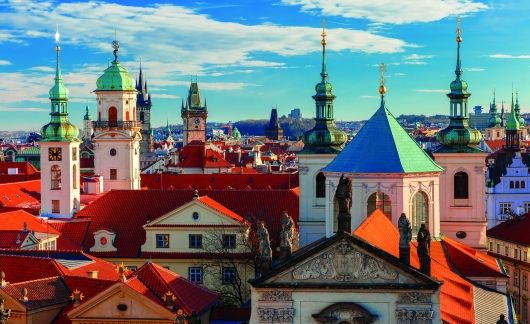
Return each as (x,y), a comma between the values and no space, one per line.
(122,307)
(103,240)
(461,234)
(112,152)
(195,216)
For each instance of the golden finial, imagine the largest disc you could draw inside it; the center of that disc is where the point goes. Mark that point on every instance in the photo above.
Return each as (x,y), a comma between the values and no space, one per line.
(122,270)
(323,42)
(77,296)
(382,88)
(57,38)
(458,30)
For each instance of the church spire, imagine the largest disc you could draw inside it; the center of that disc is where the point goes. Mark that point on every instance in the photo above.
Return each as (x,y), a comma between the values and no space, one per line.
(324,72)
(458,70)
(382,87)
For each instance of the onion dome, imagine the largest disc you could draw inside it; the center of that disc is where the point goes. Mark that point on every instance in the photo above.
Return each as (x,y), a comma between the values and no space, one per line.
(495,120)
(512,124)
(115,77)
(324,138)
(59,129)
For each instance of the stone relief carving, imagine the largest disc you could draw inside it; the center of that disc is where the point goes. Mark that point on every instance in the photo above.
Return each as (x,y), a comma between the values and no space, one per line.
(344,263)
(414,298)
(276,315)
(420,186)
(369,189)
(277,295)
(409,316)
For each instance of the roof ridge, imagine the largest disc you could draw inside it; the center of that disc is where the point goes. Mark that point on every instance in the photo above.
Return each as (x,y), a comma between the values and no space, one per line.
(33,280)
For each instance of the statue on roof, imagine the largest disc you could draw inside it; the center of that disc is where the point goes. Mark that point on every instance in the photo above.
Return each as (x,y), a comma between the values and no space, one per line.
(264,247)
(502,320)
(4,313)
(343,195)
(405,235)
(424,249)
(287,235)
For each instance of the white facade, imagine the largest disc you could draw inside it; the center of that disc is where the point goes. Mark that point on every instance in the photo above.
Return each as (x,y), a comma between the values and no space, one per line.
(511,195)
(401,188)
(117,140)
(463,219)
(87,129)
(312,222)
(59,162)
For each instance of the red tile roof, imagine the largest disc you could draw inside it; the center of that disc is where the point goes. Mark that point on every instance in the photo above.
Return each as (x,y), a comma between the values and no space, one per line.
(192,298)
(42,293)
(207,201)
(73,233)
(512,230)
(12,239)
(126,211)
(199,155)
(14,220)
(495,145)
(221,181)
(25,194)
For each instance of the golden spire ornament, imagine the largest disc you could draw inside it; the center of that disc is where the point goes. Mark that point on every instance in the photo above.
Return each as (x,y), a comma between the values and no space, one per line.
(382,88)
(458,30)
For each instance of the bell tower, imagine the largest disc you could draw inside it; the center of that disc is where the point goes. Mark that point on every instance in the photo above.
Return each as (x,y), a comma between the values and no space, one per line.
(59,154)
(194,116)
(117,132)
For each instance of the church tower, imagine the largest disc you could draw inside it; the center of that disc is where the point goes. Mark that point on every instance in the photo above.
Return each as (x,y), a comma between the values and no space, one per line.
(321,145)
(143,104)
(194,116)
(87,126)
(117,131)
(59,154)
(495,130)
(462,194)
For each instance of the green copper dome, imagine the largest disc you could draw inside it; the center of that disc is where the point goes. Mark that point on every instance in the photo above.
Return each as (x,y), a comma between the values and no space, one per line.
(513,123)
(459,136)
(115,77)
(459,86)
(59,132)
(495,121)
(58,91)
(324,88)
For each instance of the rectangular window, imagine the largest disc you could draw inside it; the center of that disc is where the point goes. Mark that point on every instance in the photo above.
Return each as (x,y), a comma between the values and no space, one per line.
(515,253)
(162,241)
(498,248)
(515,303)
(229,241)
(74,153)
(195,241)
(525,256)
(506,251)
(491,246)
(525,281)
(505,208)
(195,274)
(132,268)
(56,207)
(113,174)
(516,278)
(229,275)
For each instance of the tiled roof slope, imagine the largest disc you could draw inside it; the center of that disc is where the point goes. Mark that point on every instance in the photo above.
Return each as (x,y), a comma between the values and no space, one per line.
(14,220)
(457,293)
(73,233)
(25,194)
(126,211)
(12,239)
(514,230)
(382,146)
(191,297)
(41,292)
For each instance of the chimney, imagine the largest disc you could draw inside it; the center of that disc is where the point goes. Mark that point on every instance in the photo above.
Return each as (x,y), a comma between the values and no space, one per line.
(3,282)
(24,295)
(25,227)
(92,274)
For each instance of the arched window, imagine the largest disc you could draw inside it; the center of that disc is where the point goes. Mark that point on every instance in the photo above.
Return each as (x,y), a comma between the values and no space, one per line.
(55,177)
(381,201)
(511,185)
(516,184)
(113,115)
(420,211)
(321,185)
(523,185)
(461,190)
(74,176)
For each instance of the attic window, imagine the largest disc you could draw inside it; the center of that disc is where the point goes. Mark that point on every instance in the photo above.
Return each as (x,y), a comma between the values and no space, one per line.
(195,216)
(122,307)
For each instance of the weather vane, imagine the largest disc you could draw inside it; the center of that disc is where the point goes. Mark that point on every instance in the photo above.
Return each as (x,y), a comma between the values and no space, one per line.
(458,30)
(382,88)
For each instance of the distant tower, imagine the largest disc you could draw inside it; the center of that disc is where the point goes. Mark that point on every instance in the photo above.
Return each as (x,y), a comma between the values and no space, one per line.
(117,132)
(513,133)
(274,130)
(495,130)
(143,104)
(462,204)
(87,126)
(321,146)
(194,116)
(59,154)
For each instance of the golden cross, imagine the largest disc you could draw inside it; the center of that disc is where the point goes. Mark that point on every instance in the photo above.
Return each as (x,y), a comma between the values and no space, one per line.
(382,69)
(458,30)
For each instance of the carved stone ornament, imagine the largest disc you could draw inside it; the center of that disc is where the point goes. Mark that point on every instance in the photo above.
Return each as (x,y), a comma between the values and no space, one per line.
(344,313)
(414,298)
(420,186)
(277,295)
(370,189)
(275,315)
(409,316)
(344,263)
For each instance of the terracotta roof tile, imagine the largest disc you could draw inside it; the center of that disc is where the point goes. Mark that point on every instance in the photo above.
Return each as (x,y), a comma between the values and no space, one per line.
(25,194)
(512,230)
(41,292)
(14,220)
(12,239)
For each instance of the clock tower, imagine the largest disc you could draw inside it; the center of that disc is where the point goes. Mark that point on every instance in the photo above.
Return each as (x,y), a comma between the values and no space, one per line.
(59,154)
(194,116)
(117,131)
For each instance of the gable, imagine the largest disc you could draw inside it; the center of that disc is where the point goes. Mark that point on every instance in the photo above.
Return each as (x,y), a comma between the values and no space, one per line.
(345,264)
(120,301)
(194,213)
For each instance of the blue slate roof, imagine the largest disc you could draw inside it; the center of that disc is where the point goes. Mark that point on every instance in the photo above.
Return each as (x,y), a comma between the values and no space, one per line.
(383,146)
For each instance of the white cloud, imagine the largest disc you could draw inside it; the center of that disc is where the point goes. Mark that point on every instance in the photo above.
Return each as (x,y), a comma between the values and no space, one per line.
(416,59)
(399,74)
(475,69)
(369,97)
(4,62)
(432,90)
(165,96)
(390,11)
(42,68)
(509,56)
(24,109)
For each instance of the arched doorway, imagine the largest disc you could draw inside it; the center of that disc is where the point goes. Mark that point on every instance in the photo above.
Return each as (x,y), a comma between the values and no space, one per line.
(420,211)
(113,116)
(379,200)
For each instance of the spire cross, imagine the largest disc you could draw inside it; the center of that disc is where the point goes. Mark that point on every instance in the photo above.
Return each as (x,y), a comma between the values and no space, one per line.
(458,30)
(382,70)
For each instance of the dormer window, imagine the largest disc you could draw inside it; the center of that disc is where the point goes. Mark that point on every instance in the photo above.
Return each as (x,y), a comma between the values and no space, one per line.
(103,241)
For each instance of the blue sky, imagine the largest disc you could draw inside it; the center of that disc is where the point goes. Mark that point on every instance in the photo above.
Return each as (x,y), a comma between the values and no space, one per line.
(252,55)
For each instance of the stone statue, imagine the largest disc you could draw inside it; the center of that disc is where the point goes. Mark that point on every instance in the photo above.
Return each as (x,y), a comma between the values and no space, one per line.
(502,320)
(287,236)
(4,313)
(343,195)
(424,249)
(264,247)
(405,235)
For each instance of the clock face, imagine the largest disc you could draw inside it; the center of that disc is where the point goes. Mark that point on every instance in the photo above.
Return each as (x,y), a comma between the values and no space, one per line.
(196,121)
(55,154)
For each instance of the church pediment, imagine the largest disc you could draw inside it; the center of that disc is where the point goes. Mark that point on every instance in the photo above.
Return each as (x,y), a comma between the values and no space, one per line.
(344,261)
